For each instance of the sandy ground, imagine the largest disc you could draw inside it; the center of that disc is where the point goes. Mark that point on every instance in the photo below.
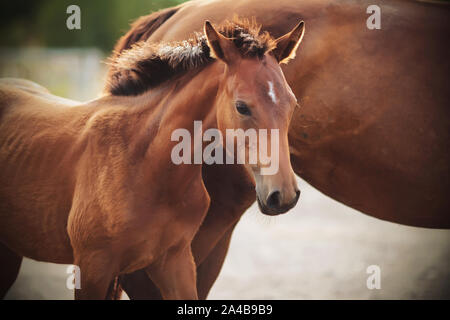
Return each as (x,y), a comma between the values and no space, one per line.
(320,250)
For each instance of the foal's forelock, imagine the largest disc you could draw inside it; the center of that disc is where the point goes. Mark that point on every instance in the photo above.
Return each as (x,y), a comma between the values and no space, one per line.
(147,65)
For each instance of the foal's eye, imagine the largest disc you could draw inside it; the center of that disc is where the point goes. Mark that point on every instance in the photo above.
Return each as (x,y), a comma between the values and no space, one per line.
(242,108)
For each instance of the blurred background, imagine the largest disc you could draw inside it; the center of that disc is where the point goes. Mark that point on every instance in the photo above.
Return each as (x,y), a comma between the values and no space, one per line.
(36,44)
(319,250)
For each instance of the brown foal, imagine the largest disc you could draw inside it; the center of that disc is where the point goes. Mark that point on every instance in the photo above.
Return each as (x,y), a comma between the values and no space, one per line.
(95,184)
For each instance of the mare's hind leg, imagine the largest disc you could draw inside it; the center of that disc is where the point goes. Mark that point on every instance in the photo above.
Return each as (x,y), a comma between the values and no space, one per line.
(10,264)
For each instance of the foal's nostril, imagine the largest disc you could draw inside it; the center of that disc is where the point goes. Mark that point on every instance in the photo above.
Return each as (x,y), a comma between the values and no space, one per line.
(274,200)
(297,195)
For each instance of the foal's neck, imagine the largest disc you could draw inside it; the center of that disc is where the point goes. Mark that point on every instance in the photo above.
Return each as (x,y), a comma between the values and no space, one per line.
(176,105)
(193,98)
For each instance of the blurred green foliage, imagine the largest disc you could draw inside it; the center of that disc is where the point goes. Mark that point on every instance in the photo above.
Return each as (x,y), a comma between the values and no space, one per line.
(43,22)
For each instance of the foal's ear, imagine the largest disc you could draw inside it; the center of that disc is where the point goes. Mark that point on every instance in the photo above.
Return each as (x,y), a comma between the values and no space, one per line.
(287,45)
(221,47)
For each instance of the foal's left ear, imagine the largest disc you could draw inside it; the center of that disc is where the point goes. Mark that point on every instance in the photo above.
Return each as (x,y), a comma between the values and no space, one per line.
(221,47)
(287,45)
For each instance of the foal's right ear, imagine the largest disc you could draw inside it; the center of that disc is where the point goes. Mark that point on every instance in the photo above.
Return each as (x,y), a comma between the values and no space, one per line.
(222,48)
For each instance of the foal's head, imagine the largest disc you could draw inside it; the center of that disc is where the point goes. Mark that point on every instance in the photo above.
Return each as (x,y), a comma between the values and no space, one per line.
(254,94)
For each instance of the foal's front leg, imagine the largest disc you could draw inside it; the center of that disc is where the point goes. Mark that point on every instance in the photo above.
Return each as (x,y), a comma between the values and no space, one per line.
(96,272)
(175,274)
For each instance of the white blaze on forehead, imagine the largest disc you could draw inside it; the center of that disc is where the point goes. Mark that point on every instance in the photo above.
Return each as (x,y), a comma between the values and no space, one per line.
(272,92)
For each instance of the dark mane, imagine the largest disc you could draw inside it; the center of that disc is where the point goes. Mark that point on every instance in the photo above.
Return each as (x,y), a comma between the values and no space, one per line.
(146,65)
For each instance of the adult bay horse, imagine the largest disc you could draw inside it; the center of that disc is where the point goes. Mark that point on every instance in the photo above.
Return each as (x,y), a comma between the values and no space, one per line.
(372,130)
(96,185)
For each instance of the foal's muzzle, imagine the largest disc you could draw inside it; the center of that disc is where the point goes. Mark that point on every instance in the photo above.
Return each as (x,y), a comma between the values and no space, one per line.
(274,205)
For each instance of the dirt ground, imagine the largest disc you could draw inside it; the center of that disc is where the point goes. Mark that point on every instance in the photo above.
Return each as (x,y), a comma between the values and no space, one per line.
(319,250)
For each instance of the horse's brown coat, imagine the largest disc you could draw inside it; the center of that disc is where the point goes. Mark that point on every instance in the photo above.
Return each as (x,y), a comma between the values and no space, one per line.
(94,184)
(372,127)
